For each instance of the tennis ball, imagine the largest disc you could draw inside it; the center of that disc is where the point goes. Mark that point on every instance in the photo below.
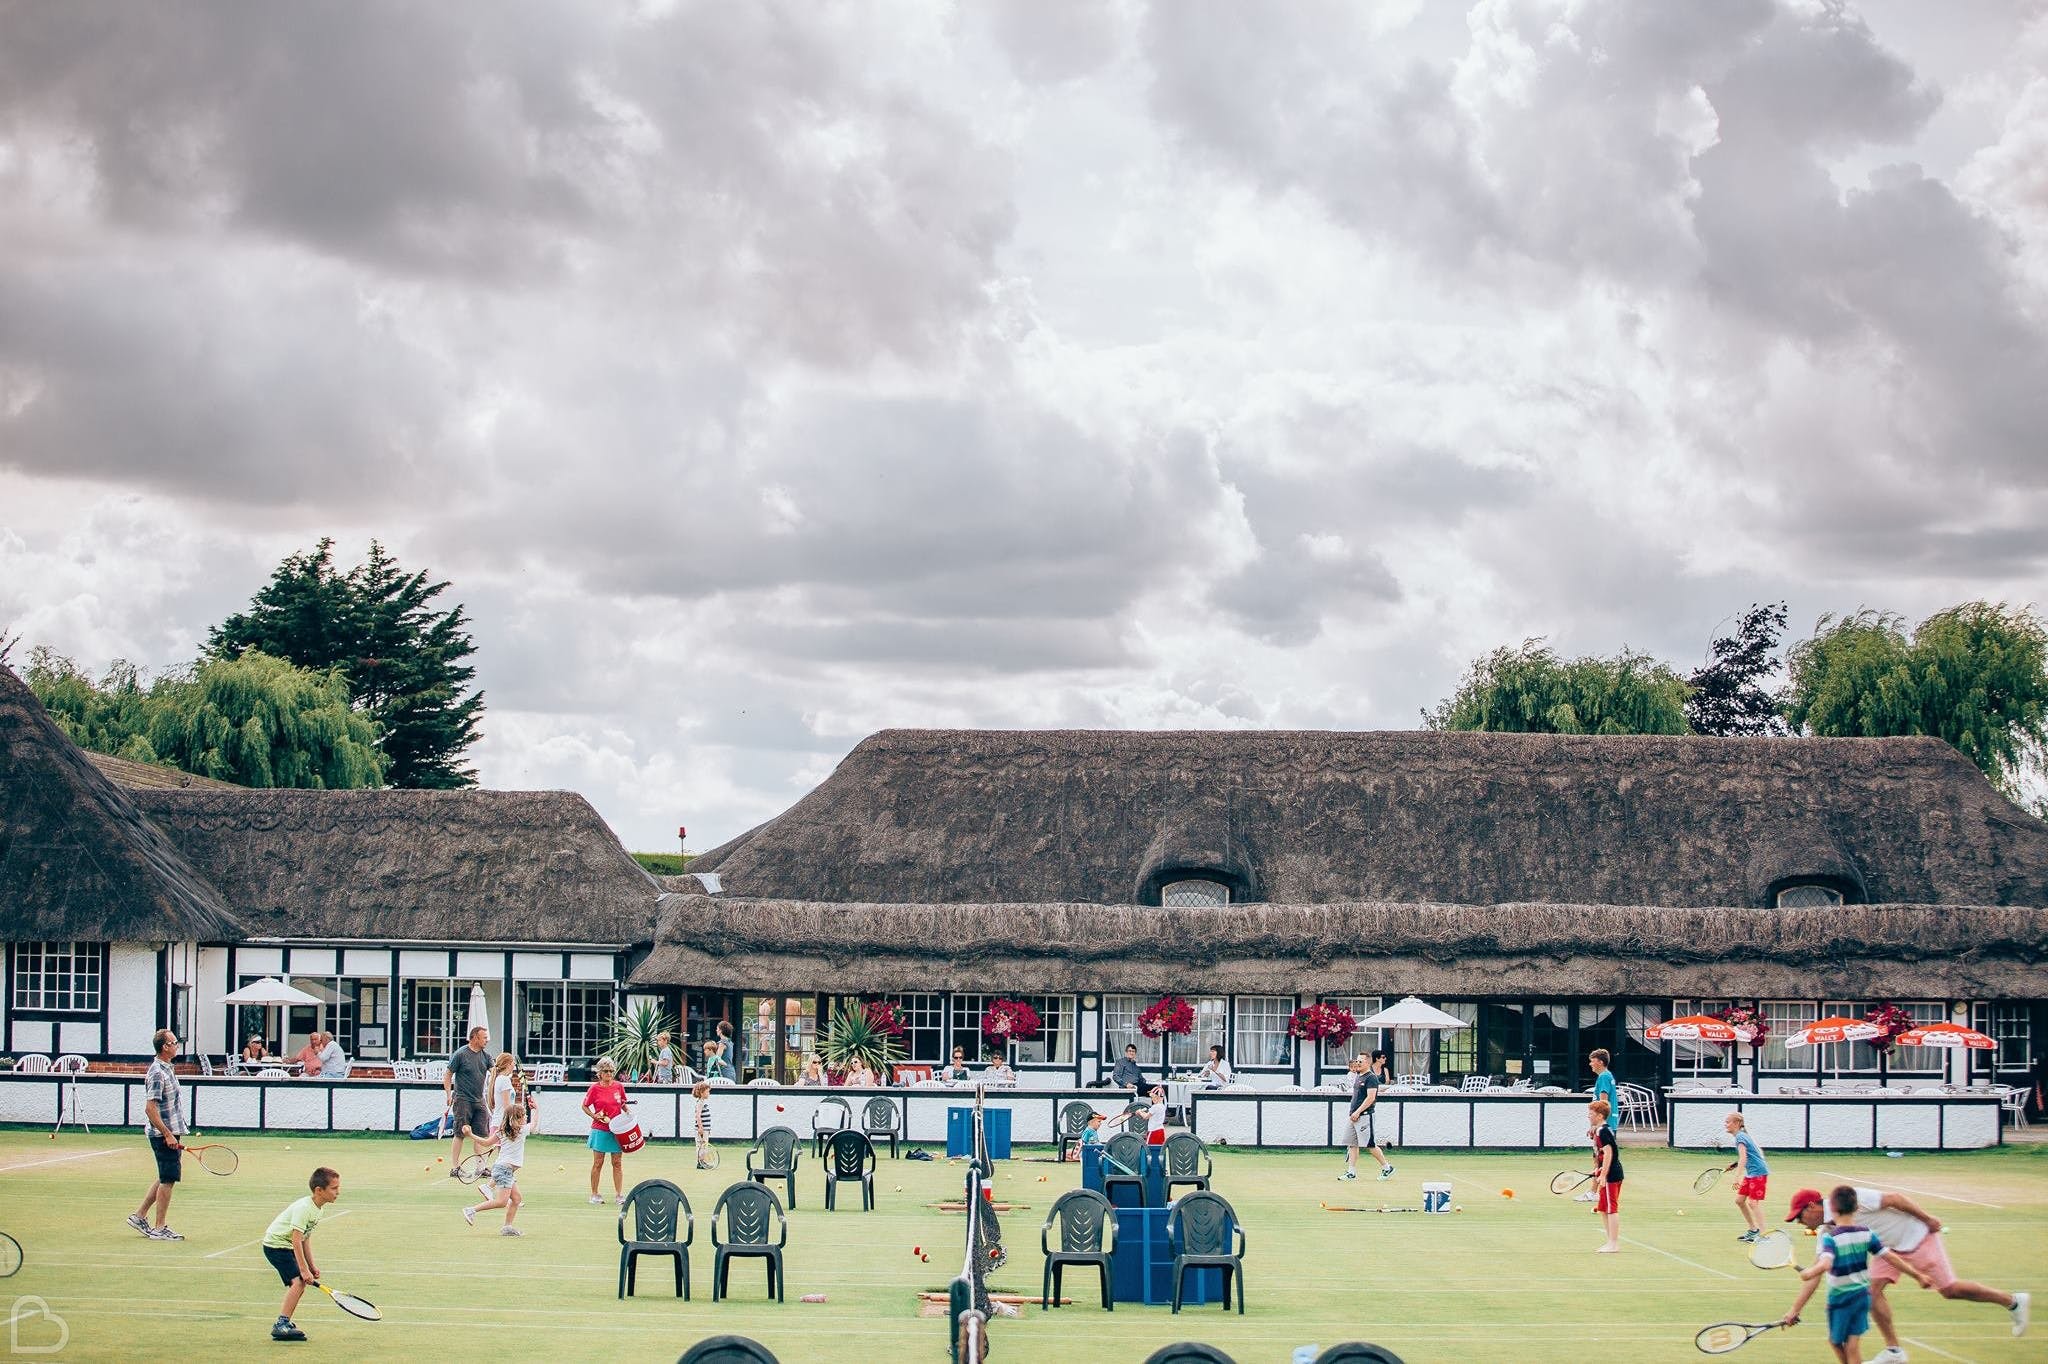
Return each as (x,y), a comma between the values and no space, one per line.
(899,1188)
(1458,1208)
(426,1167)
(1507,1193)
(1681,1212)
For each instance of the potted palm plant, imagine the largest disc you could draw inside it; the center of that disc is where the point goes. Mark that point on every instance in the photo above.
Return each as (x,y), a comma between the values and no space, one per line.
(862,1031)
(631,1044)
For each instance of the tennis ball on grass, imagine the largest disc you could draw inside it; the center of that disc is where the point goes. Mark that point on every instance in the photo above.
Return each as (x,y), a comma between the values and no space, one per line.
(1458,1208)
(899,1188)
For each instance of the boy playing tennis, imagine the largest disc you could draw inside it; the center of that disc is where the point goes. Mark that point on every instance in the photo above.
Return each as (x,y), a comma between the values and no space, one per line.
(1749,1194)
(1846,1251)
(700,1094)
(288,1245)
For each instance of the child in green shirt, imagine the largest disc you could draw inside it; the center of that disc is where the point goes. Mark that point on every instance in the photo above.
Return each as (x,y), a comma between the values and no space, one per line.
(288,1246)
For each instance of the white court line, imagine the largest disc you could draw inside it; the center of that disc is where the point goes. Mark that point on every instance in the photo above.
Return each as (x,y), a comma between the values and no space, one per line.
(1932,1349)
(1680,1258)
(215,1255)
(59,1160)
(1917,1193)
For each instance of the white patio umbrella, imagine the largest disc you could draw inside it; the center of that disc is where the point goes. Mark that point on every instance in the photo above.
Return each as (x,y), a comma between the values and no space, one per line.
(1411,1014)
(269,993)
(479,1012)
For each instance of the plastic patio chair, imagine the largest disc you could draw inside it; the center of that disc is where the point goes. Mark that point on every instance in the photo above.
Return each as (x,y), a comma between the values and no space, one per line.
(1087,1226)
(1188,1352)
(1476,1084)
(780,1151)
(1201,1229)
(1358,1352)
(1073,1122)
(1187,1162)
(551,1072)
(850,1157)
(70,1063)
(1129,1152)
(728,1350)
(831,1115)
(881,1118)
(32,1064)
(659,1210)
(751,1213)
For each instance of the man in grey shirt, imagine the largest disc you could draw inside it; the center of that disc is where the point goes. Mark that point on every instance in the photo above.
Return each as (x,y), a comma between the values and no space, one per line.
(469,1071)
(163,1118)
(1127,1075)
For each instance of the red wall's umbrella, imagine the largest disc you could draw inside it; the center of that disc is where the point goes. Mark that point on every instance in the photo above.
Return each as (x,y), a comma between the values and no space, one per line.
(1823,1030)
(1691,1028)
(1946,1035)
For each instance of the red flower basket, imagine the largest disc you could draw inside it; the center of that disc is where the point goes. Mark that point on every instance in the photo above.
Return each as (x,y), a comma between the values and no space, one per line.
(1168,1017)
(1322,1023)
(1749,1024)
(1010,1020)
(1893,1020)
(884,1017)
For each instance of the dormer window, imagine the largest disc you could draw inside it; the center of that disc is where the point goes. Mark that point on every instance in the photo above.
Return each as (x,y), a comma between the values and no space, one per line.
(1808,895)
(1198,893)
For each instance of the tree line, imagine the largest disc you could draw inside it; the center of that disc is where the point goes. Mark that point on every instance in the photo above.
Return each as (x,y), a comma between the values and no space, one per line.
(1975,675)
(330,678)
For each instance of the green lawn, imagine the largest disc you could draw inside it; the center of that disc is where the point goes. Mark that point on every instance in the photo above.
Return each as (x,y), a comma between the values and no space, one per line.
(1509,1279)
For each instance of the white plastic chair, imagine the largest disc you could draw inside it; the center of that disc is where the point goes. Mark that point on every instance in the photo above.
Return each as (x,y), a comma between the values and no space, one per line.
(70,1063)
(273,1073)
(205,1065)
(1476,1084)
(551,1072)
(1412,1081)
(764,1082)
(433,1070)
(2014,1102)
(32,1065)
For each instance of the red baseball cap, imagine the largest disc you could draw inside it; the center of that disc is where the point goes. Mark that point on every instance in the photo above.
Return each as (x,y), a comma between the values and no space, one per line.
(1801,1201)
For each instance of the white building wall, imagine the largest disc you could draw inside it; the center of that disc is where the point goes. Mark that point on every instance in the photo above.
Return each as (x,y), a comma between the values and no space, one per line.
(133,988)
(211,1028)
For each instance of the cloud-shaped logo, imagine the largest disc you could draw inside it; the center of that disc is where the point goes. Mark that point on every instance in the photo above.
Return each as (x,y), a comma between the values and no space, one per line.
(30,1326)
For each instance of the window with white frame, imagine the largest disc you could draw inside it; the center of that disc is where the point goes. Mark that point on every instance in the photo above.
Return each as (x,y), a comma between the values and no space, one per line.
(2009,1025)
(1262,1038)
(1054,1044)
(60,977)
(431,1017)
(1190,1051)
(1457,1050)
(1336,1054)
(1692,1056)
(1861,1058)
(561,1021)
(924,1020)
(1193,893)
(1785,1017)
(1120,1027)
(1808,895)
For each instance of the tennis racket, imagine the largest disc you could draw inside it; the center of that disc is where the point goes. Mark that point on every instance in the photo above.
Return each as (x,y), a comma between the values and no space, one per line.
(1707,1179)
(1719,1339)
(1569,1181)
(471,1167)
(10,1255)
(707,1157)
(351,1304)
(1772,1250)
(214,1158)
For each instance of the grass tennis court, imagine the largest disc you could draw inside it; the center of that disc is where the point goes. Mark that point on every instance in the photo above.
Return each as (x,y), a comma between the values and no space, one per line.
(1508,1279)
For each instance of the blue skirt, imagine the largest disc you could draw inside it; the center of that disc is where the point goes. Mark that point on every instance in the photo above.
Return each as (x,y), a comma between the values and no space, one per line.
(604,1143)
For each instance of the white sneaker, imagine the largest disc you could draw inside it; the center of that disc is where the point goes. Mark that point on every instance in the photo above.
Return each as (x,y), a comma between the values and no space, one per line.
(2019,1314)
(1890,1354)
(137,1221)
(469,1216)
(510,1231)
(619,1199)
(595,1199)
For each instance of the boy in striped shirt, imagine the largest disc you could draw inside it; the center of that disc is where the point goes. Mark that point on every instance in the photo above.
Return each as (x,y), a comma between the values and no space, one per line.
(1846,1251)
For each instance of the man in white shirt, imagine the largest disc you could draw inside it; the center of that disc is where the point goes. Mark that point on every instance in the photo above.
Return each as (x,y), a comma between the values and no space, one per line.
(333,1061)
(1916,1235)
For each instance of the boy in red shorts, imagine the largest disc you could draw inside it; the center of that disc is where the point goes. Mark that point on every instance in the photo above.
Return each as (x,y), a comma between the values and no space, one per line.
(1749,1193)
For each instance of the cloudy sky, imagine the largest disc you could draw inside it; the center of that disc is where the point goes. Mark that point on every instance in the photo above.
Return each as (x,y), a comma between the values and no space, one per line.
(763,375)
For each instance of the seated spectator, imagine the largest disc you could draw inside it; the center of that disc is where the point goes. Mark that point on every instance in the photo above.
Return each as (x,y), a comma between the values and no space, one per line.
(859,1075)
(999,1072)
(814,1071)
(256,1049)
(308,1056)
(1127,1075)
(1217,1072)
(957,1071)
(334,1064)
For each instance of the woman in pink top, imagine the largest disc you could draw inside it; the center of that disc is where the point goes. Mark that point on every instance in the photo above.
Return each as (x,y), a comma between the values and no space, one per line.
(603,1101)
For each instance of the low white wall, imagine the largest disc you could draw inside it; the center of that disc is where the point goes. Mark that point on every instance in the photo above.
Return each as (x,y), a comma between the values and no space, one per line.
(1841,1122)
(1490,1121)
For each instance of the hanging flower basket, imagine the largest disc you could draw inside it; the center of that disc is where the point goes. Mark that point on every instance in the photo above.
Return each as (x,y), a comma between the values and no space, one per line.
(1893,1020)
(1322,1023)
(1009,1020)
(1168,1017)
(1750,1025)
(884,1017)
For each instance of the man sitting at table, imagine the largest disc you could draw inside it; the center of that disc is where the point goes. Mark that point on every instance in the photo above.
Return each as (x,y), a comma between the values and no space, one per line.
(1127,1075)
(308,1056)
(332,1063)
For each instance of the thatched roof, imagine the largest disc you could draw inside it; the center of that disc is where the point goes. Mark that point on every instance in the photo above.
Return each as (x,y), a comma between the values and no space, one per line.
(470,866)
(150,776)
(1856,952)
(78,861)
(966,816)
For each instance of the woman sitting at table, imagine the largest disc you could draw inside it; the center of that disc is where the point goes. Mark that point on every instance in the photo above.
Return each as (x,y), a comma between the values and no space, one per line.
(859,1075)
(999,1072)
(1217,1073)
(256,1050)
(814,1071)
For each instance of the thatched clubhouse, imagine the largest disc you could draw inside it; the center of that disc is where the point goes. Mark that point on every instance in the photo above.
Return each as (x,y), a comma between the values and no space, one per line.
(1559,894)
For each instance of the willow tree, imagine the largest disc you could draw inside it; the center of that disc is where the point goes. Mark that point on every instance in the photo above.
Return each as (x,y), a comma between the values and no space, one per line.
(258,721)
(1975,675)
(1530,690)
